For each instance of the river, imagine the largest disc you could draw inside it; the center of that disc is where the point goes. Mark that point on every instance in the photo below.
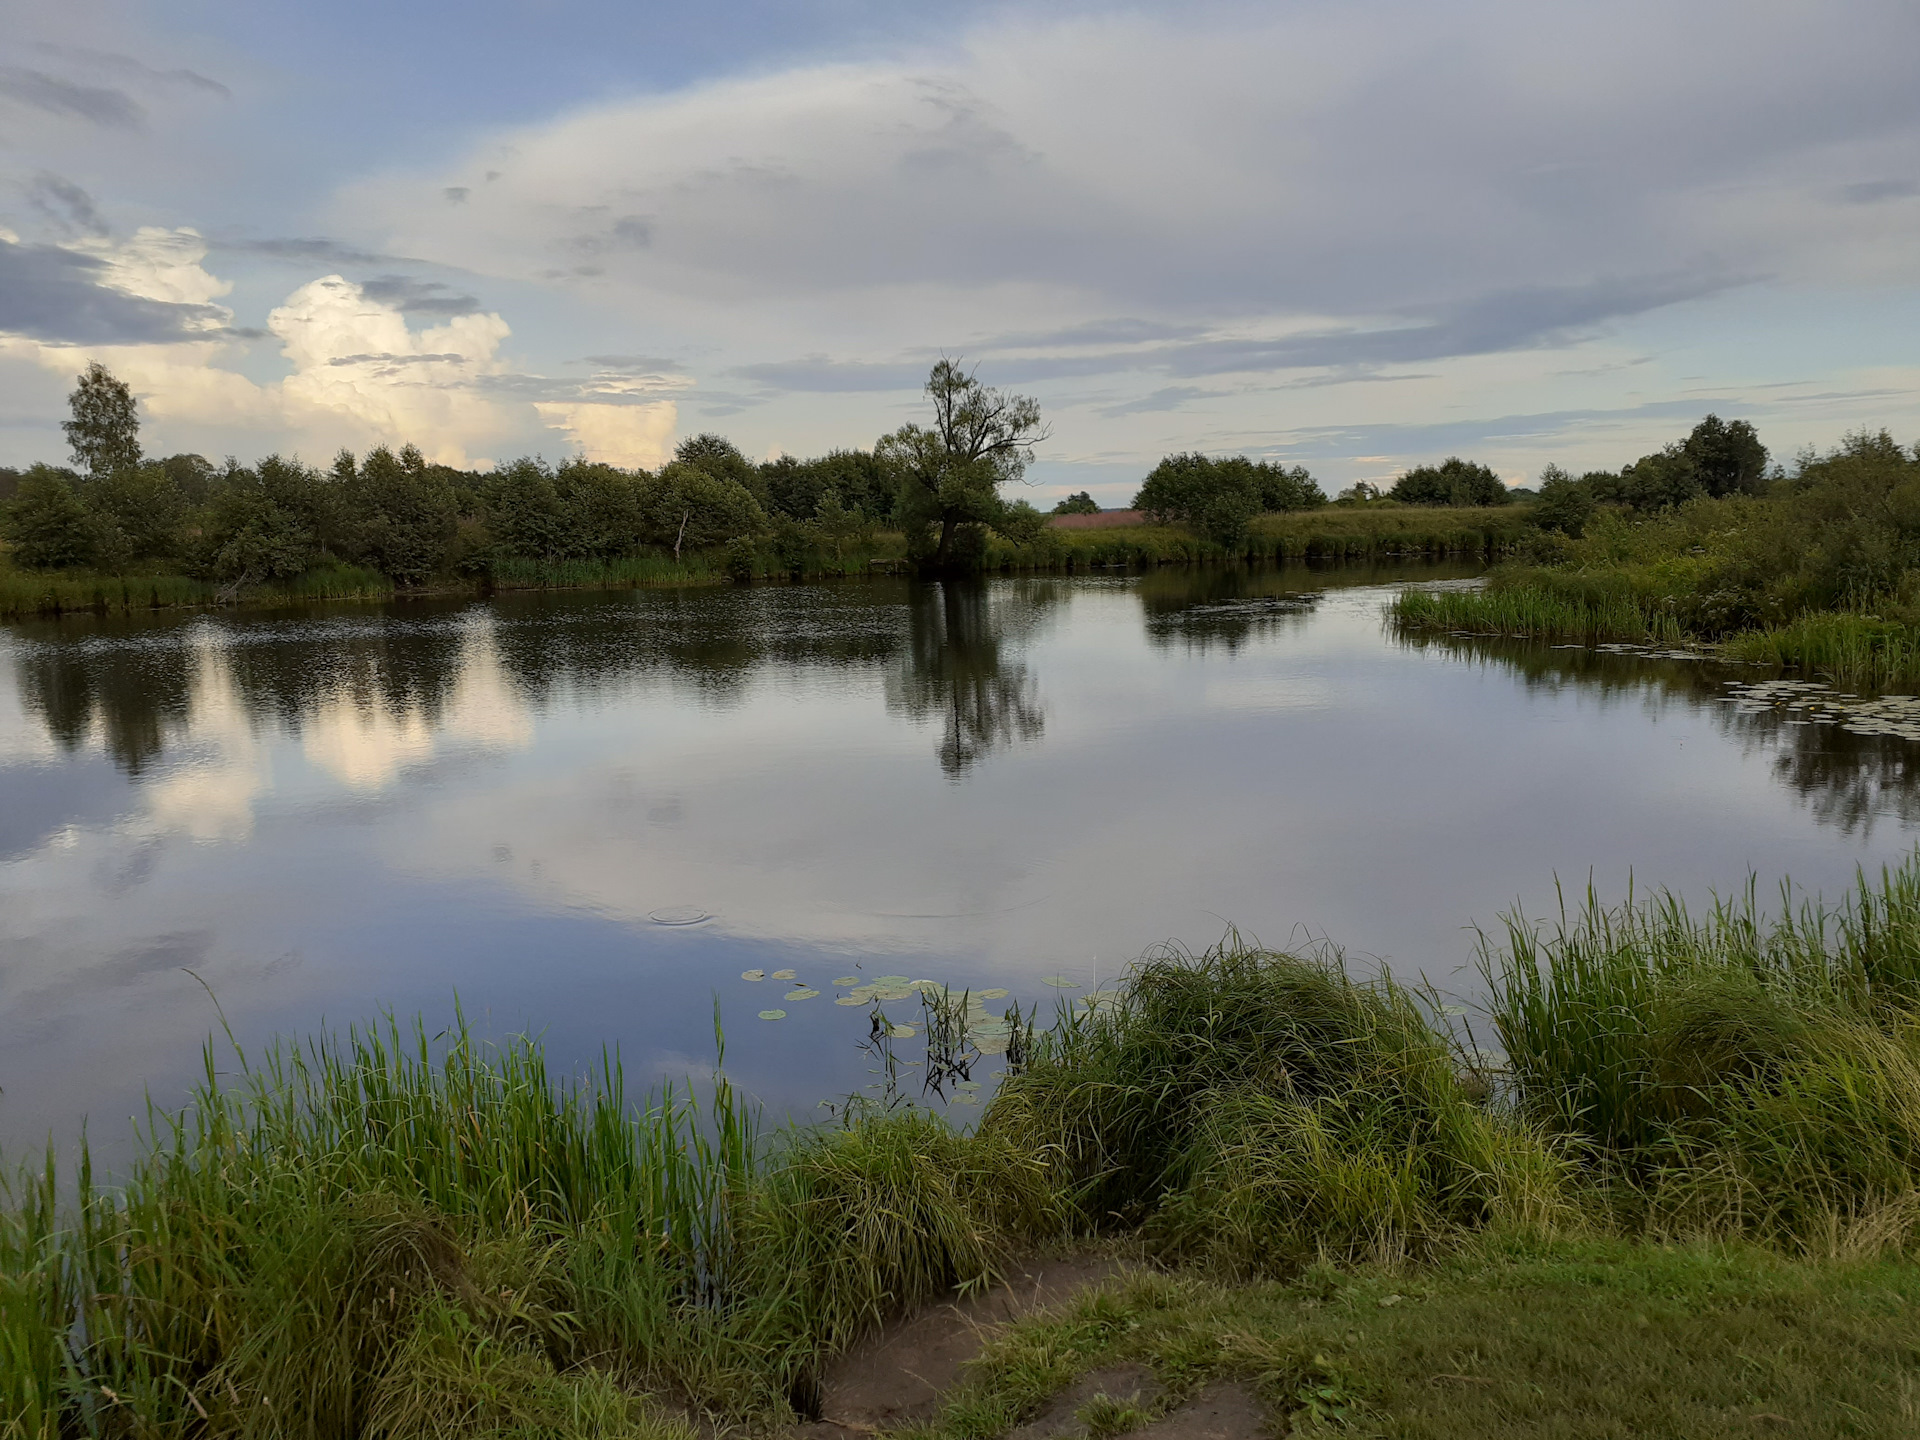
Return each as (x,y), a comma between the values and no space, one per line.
(586,815)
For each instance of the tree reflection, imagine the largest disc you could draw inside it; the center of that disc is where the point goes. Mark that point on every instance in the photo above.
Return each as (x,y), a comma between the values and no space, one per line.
(1846,780)
(139,695)
(956,667)
(1222,609)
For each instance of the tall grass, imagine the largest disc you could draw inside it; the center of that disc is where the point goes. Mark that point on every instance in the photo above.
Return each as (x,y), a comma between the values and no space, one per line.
(1529,611)
(1253,1109)
(1335,533)
(1743,1067)
(33,592)
(1852,649)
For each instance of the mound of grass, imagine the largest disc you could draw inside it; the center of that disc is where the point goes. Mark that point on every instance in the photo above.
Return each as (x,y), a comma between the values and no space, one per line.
(1743,1069)
(1251,1108)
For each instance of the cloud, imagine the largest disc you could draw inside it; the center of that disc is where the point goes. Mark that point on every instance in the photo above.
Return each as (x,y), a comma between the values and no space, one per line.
(418,297)
(1872,192)
(64,295)
(316,250)
(628,435)
(126,65)
(1170,397)
(65,203)
(112,109)
(1224,189)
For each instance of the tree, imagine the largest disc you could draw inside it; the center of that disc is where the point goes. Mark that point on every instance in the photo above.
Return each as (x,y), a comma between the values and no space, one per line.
(1566,504)
(261,523)
(48,525)
(1284,487)
(950,474)
(105,429)
(138,514)
(1728,459)
(1078,503)
(1452,482)
(404,510)
(689,505)
(1215,498)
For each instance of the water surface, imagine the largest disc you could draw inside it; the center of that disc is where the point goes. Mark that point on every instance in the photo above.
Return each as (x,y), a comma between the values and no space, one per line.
(329,814)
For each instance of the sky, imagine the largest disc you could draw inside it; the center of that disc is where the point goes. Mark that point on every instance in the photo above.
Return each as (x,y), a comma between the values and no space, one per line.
(1354,236)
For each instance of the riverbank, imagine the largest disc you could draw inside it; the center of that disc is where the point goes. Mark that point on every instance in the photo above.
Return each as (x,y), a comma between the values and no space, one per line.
(1701,1136)
(1819,575)
(1331,534)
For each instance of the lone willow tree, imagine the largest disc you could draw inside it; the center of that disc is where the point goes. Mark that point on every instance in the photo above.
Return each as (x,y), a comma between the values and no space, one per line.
(105,430)
(950,473)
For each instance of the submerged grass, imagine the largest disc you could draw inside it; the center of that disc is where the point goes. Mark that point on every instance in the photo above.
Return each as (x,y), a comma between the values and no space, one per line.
(397,1234)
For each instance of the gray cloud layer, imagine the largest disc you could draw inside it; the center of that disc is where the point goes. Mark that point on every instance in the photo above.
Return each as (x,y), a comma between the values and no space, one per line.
(55,295)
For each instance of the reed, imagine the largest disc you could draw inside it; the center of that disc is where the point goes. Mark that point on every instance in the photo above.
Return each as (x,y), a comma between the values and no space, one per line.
(1745,1069)
(1852,649)
(26,593)
(1525,610)
(1251,1108)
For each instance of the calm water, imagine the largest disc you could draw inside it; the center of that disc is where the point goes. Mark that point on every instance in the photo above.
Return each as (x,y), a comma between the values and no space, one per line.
(331,814)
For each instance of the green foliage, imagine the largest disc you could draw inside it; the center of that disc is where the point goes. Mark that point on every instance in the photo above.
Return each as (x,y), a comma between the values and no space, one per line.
(138,512)
(1739,1070)
(1819,573)
(949,475)
(1078,503)
(1452,482)
(49,527)
(1564,504)
(852,481)
(263,523)
(1254,1108)
(404,511)
(1727,459)
(104,432)
(1218,499)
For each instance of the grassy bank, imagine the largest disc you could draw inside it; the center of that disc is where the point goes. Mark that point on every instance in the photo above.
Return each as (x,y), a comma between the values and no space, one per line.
(1332,534)
(1700,1140)
(1820,574)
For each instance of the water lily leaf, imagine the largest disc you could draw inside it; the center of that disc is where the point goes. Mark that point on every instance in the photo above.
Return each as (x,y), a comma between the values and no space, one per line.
(851,1000)
(848,980)
(753,974)
(784,974)
(800,993)
(969,1085)
(773,1014)
(891,980)
(994,994)
(901,1032)
(897,992)
(1060,982)
(966,1097)
(996,1045)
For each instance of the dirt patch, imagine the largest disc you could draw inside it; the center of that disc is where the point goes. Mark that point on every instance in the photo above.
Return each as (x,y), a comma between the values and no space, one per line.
(1059,1417)
(1219,1412)
(899,1375)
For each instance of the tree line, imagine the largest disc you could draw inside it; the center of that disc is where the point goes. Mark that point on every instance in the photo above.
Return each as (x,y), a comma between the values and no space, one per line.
(942,484)
(394,512)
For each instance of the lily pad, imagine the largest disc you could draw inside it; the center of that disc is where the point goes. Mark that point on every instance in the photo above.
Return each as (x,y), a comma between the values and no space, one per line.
(968,1085)
(848,980)
(784,974)
(800,993)
(897,992)
(994,994)
(966,1097)
(891,980)
(851,1000)
(753,974)
(996,1045)
(1060,982)
(902,1032)
(773,1014)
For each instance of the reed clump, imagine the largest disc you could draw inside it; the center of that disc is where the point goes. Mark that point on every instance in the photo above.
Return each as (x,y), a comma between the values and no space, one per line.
(1739,1070)
(1251,1109)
